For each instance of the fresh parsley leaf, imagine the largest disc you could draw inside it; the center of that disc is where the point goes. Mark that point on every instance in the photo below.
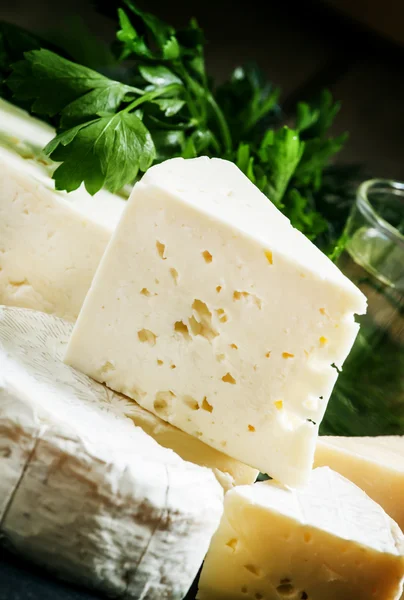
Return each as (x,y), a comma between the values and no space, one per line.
(281,152)
(14,41)
(318,117)
(317,153)
(58,86)
(303,214)
(246,100)
(147,32)
(159,75)
(306,116)
(245,162)
(168,143)
(171,49)
(170,106)
(108,151)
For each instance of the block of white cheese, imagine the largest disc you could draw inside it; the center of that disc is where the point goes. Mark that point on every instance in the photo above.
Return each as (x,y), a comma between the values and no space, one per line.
(375,464)
(83,491)
(327,541)
(50,242)
(211,311)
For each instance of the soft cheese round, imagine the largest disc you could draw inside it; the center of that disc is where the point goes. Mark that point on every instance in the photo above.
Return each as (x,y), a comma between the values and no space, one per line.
(83,490)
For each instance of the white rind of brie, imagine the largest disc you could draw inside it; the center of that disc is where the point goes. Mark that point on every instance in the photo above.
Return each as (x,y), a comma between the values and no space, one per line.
(213,312)
(326,541)
(83,491)
(50,242)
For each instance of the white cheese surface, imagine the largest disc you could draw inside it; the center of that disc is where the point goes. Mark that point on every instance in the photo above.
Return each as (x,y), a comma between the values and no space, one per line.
(50,242)
(211,311)
(82,490)
(327,540)
(228,471)
(375,464)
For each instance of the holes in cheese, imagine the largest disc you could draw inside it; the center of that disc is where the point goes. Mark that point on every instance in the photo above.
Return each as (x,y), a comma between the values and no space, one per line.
(107,367)
(164,403)
(145,292)
(218,289)
(147,336)
(221,314)
(268,256)
(174,275)
(286,590)
(287,355)
(251,428)
(323,340)
(161,250)
(180,327)
(249,298)
(228,378)
(201,323)
(234,346)
(207,256)
(206,406)
(191,403)
(232,544)
(253,569)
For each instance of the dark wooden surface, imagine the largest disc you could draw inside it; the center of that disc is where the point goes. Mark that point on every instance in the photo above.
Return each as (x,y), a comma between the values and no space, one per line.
(20,580)
(302,46)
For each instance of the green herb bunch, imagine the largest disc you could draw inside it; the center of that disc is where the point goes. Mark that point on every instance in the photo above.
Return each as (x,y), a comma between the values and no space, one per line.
(163,105)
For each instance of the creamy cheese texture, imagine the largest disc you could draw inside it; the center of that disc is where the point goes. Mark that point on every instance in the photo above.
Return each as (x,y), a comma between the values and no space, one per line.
(211,311)
(83,491)
(50,242)
(228,471)
(375,464)
(326,541)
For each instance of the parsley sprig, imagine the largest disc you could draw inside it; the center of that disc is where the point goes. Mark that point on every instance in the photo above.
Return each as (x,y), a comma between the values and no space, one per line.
(162,104)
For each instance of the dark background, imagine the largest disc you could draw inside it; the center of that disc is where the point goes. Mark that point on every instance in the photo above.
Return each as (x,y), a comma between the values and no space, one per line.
(353,47)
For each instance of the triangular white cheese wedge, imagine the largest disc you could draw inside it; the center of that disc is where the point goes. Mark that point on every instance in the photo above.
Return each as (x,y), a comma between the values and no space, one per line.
(213,312)
(50,242)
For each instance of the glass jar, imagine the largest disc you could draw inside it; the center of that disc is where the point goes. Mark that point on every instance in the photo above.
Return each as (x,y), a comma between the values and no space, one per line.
(368,398)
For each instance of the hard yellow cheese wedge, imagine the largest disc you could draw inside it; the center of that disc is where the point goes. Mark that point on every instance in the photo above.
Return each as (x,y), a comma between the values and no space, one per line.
(326,541)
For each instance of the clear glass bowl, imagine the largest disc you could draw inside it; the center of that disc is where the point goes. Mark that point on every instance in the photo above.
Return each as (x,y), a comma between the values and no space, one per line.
(368,398)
